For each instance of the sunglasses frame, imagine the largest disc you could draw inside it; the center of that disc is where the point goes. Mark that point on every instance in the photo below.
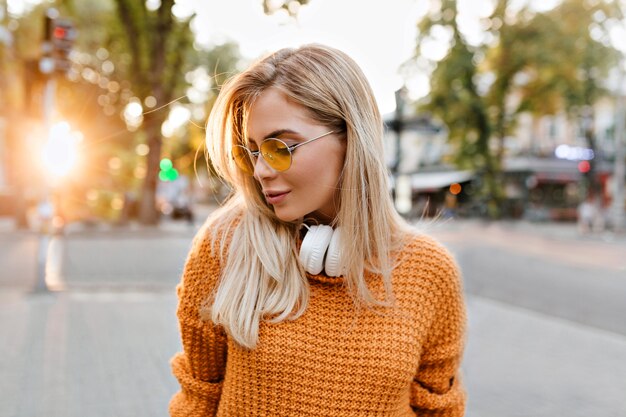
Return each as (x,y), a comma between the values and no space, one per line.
(254,155)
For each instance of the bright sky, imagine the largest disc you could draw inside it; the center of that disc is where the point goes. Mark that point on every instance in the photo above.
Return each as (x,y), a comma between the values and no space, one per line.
(378,35)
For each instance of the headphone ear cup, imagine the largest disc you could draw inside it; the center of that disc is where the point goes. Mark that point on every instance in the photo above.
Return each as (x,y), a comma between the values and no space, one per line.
(332,265)
(314,247)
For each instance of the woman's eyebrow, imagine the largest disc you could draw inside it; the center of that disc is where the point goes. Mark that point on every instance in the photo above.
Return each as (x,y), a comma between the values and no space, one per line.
(280,132)
(276,134)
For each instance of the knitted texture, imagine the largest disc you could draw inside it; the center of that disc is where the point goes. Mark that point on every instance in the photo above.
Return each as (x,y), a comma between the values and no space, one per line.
(336,359)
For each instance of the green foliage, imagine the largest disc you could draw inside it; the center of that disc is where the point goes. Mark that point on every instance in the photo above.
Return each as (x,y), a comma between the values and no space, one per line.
(540,63)
(567,64)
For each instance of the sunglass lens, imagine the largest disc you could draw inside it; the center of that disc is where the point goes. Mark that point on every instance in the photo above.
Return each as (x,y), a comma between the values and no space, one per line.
(243,159)
(276,154)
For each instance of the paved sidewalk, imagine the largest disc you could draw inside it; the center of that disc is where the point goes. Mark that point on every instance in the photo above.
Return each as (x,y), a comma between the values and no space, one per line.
(106,354)
(519,363)
(87,354)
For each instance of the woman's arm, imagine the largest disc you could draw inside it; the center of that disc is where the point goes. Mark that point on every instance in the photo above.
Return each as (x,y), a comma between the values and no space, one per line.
(200,367)
(437,389)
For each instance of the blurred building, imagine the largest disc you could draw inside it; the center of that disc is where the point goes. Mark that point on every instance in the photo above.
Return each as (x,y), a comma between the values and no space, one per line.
(544,166)
(549,156)
(423,149)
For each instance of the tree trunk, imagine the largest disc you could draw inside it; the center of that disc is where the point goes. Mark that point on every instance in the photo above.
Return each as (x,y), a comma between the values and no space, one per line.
(148,213)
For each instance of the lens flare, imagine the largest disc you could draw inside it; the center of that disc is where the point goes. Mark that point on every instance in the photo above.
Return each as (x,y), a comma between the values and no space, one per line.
(60,152)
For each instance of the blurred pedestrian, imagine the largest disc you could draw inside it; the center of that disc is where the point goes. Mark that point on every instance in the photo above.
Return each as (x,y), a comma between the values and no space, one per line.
(306,293)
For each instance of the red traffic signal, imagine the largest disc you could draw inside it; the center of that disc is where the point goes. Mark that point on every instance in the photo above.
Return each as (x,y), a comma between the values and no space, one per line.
(60,33)
(63,37)
(63,33)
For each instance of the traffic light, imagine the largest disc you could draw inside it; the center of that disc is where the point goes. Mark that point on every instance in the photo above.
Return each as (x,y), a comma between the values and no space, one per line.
(62,35)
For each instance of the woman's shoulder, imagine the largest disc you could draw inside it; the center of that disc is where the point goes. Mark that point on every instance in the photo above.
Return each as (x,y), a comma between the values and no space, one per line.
(425,254)
(419,243)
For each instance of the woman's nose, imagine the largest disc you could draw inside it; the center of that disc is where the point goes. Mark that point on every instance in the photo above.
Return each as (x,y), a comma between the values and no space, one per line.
(262,170)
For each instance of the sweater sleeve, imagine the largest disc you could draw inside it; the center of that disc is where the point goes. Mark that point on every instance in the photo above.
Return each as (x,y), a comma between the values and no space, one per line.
(437,389)
(199,368)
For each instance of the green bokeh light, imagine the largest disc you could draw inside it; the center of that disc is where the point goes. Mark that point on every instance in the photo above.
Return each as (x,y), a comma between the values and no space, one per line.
(168,172)
(166,164)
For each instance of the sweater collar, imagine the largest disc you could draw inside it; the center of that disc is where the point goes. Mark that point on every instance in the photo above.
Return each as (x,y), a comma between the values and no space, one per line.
(325,279)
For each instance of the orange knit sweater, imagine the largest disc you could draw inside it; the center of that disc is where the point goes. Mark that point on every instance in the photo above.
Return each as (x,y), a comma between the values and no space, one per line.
(334,360)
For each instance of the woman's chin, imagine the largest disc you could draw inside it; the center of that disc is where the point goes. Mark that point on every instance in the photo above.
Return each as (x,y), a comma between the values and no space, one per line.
(287,216)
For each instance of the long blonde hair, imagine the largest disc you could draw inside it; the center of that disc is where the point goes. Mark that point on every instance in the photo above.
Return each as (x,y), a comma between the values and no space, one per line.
(262,278)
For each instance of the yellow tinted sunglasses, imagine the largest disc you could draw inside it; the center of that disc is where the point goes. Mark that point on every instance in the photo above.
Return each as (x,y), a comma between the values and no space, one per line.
(275,152)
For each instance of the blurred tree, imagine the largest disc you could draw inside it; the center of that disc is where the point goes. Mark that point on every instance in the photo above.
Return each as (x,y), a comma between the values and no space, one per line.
(529,62)
(505,60)
(146,49)
(455,99)
(157,45)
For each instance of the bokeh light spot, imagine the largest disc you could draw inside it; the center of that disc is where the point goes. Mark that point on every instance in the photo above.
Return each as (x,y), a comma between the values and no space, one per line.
(455,188)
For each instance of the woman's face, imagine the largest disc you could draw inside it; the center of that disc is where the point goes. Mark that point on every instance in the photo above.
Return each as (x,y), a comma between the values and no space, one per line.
(310,187)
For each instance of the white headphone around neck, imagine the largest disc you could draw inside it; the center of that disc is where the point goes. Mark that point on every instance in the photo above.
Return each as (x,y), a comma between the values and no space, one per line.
(320,250)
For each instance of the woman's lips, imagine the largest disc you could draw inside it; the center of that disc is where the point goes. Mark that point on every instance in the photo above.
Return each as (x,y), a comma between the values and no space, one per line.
(276,198)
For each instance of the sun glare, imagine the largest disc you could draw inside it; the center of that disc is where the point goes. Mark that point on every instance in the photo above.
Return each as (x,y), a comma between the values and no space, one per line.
(60,152)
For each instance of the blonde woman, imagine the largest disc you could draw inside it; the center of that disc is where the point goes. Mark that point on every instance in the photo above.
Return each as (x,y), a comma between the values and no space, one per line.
(306,294)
